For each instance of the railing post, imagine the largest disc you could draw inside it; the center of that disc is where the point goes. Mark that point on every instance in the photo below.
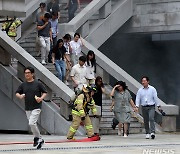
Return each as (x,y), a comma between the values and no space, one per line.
(5,57)
(105,10)
(169,120)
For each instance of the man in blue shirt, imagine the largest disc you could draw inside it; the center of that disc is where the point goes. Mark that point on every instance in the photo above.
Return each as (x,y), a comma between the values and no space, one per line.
(147,98)
(54,29)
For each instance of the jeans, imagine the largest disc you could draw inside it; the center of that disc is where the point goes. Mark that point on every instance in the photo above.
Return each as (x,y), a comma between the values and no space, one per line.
(52,45)
(148,115)
(33,116)
(45,47)
(60,66)
(72,9)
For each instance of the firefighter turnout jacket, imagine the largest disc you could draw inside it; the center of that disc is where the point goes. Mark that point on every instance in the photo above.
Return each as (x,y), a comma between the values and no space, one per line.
(11,26)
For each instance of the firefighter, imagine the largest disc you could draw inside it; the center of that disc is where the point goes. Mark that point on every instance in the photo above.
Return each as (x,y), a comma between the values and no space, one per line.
(80,111)
(10,26)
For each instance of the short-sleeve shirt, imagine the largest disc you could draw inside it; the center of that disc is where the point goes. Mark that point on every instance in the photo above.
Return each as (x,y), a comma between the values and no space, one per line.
(59,54)
(53,7)
(39,16)
(76,46)
(122,101)
(54,27)
(90,71)
(45,31)
(31,89)
(79,73)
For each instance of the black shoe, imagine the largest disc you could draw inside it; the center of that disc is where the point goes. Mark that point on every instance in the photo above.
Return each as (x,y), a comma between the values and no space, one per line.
(152,136)
(40,143)
(35,141)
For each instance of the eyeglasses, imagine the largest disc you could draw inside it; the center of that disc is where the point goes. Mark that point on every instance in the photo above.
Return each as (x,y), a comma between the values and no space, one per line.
(27,72)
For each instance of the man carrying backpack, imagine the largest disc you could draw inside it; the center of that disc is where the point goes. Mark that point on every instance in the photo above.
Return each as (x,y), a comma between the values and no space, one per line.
(80,111)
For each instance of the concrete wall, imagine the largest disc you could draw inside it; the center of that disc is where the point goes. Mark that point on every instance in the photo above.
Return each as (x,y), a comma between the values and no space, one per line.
(138,55)
(154,15)
(11,116)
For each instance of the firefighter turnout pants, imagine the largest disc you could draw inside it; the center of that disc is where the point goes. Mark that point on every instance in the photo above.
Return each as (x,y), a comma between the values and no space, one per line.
(76,123)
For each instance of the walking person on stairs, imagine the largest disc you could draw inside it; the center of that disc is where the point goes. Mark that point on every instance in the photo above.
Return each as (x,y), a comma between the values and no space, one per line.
(45,37)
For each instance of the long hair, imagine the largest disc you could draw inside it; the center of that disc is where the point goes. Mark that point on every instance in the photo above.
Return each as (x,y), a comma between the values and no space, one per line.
(92,61)
(98,78)
(57,45)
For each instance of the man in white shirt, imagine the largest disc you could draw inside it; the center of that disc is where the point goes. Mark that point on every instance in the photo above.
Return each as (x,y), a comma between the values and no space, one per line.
(78,74)
(147,98)
(76,45)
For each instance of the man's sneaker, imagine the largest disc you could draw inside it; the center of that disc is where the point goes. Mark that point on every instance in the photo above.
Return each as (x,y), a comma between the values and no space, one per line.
(125,135)
(40,143)
(35,141)
(43,62)
(147,136)
(152,136)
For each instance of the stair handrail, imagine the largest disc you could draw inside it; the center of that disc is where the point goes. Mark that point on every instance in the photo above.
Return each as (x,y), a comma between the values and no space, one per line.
(81,18)
(42,72)
(119,74)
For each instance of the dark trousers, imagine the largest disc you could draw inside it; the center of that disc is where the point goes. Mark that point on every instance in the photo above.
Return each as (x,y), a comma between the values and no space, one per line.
(148,113)
(53,44)
(72,9)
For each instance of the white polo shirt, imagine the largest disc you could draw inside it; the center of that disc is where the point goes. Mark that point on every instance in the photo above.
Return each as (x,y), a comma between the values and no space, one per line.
(79,74)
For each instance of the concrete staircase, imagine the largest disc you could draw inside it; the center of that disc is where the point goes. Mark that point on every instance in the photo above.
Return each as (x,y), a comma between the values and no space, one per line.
(107,116)
(28,43)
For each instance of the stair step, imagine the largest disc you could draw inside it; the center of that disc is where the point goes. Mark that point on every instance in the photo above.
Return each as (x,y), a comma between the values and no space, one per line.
(110,131)
(109,119)
(108,124)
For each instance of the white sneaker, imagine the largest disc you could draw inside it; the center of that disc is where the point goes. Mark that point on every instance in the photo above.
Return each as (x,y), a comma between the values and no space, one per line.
(147,136)
(125,135)
(119,132)
(152,136)
(66,83)
(43,62)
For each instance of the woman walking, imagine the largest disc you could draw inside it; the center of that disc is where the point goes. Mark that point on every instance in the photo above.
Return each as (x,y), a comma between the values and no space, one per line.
(58,57)
(122,101)
(90,67)
(98,101)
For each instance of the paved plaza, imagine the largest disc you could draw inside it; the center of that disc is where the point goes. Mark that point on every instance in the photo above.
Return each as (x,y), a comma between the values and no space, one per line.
(109,144)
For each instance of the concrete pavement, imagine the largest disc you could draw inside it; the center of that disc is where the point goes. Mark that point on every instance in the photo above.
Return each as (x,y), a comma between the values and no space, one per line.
(110,144)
